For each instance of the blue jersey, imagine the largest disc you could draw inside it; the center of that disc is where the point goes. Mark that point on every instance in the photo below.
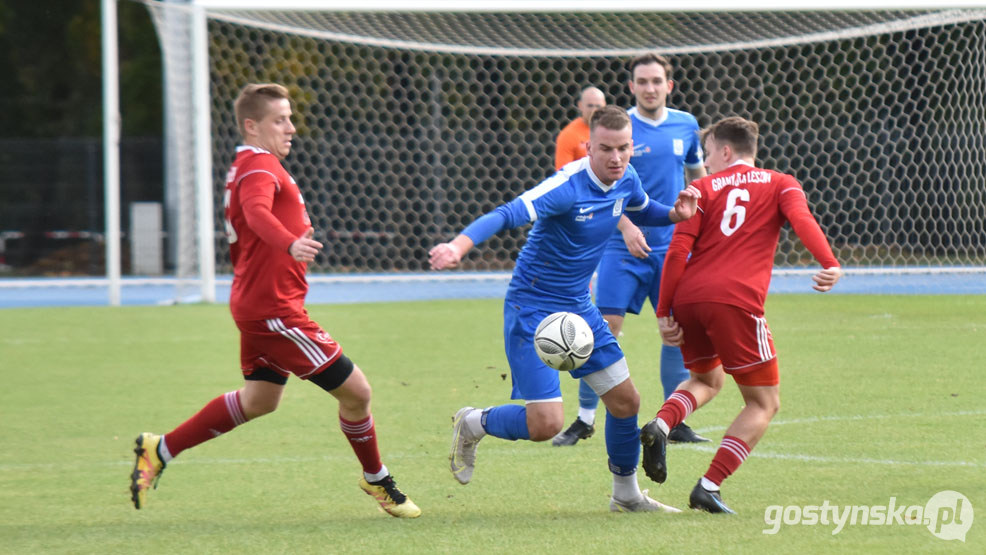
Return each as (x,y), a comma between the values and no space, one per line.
(574,215)
(661,151)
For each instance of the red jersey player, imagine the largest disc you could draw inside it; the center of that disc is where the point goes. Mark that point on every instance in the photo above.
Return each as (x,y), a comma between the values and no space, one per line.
(712,303)
(271,244)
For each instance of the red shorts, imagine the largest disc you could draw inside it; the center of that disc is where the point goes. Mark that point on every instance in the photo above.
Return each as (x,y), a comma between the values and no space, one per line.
(716,333)
(287,345)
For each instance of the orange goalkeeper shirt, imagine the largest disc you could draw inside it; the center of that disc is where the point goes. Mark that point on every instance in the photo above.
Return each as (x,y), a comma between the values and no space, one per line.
(571,142)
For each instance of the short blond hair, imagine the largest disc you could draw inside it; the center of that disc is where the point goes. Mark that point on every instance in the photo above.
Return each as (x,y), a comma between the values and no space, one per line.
(610,117)
(254,102)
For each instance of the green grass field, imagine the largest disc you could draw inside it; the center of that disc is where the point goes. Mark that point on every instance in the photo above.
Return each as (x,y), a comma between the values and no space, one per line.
(882,396)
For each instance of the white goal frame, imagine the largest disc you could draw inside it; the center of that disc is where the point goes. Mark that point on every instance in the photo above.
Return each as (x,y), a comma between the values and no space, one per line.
(205,225)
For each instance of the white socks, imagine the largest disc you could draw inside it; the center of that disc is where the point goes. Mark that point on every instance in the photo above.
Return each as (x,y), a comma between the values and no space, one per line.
(625,488)
(162,451)
(663,426)
(587,415)
(378,476)
(474,423)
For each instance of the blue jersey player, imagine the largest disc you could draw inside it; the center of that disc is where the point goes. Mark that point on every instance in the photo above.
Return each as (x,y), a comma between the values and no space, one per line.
(666,148)
(574,213)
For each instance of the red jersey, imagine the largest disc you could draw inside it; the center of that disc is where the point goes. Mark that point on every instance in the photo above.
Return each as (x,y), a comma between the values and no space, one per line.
(265,213)
(733,236)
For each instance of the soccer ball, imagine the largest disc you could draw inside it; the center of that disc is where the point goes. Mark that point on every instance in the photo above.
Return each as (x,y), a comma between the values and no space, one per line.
(564,341)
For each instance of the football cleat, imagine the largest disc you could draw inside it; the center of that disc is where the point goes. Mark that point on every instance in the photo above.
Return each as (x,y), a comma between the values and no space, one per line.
(390,497)
(682,433)
(147,468)
(644,504)
(655,445)
(578,430)
(708,501)
(462,457)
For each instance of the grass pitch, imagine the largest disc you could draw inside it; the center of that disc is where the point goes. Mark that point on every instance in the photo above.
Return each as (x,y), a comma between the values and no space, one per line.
(882,397)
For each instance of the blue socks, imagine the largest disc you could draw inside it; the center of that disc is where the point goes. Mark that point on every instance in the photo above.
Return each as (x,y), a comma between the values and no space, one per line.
(673,370)
(587,397)
(622,444)
(506,422)
(622,434)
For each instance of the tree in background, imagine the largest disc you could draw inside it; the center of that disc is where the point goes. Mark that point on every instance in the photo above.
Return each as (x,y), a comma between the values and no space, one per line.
(51,137)
(50,60)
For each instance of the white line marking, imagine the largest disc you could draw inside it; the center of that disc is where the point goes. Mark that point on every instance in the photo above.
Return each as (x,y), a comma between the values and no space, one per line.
(127,461)
(842,460)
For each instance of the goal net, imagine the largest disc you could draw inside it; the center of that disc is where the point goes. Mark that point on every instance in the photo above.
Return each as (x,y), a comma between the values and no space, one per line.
(412,123)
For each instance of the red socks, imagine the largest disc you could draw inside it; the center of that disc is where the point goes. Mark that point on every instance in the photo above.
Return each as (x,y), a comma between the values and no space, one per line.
(225,412)
(676,409)
(732,452)
(362,437)
(219,416)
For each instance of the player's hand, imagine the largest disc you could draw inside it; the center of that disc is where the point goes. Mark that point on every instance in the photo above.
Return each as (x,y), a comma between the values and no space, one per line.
(687,204)
(305,248)
(444,255)
(635,240)
(671,333)
(825,279)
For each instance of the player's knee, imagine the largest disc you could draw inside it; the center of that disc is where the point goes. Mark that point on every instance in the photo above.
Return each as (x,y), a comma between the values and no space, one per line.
(774,405)
(768,404)
(359,392)
(627,409)
(257,406)
(712,380)
(349,386)
(545,426)
(341,373)
(625,405)
(261,393)
(543,431)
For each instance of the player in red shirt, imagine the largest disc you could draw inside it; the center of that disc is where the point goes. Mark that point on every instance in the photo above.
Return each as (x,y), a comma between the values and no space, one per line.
(712,303)
(271,245)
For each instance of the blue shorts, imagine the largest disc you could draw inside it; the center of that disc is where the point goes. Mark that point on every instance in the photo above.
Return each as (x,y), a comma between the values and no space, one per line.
(532,379)
(624,281)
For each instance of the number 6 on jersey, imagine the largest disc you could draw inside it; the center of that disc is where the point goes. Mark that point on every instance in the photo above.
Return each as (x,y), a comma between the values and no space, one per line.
(728,225)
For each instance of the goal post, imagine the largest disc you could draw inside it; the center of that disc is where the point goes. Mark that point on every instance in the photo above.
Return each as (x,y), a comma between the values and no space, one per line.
(413,120)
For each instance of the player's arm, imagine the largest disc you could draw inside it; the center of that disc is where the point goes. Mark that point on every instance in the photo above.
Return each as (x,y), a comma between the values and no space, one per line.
(505,216)
(694,158)
(256,200)
(674,266)
(633,237)
(794,206)
(693,173)
(656,214)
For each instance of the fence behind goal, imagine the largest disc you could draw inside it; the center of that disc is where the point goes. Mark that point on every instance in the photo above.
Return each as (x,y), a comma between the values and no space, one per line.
(411,124)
